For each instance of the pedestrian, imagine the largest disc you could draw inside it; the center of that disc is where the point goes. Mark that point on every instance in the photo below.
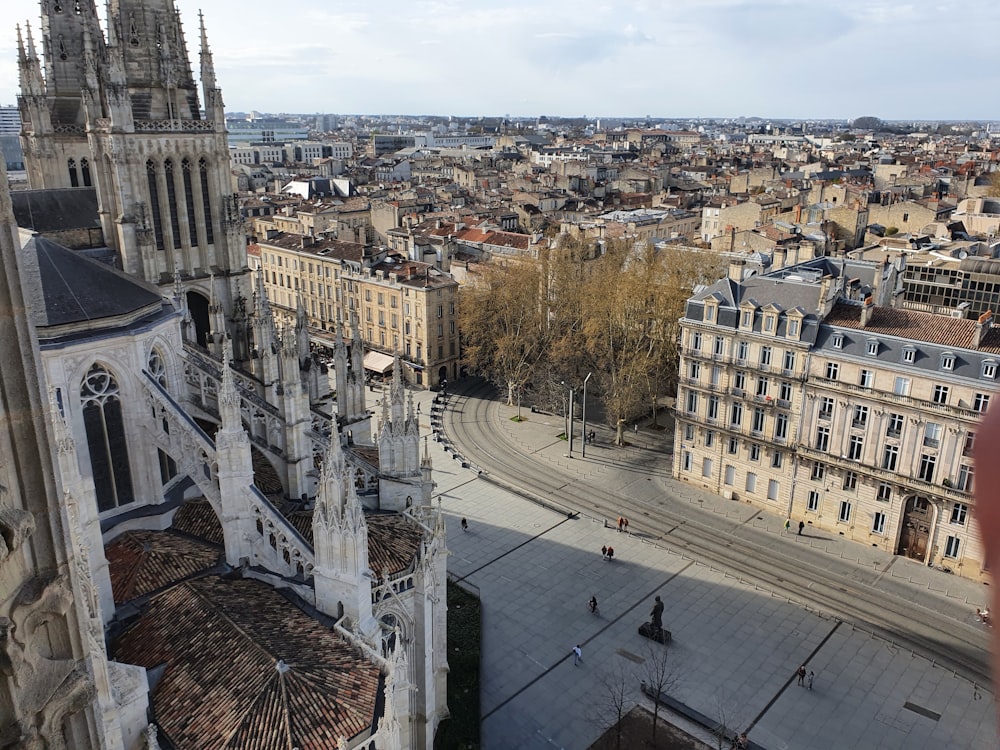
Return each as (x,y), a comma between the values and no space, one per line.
(604,552)
(636,428)
(626,525)
(801,673)
(621,522)
(788,524)
(577,655)
(465,524)
(611,553)
(811,675)
(592,605)
(802,525)
(418,408)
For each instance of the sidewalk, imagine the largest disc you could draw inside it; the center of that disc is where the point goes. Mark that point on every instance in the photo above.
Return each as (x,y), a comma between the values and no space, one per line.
(735,646)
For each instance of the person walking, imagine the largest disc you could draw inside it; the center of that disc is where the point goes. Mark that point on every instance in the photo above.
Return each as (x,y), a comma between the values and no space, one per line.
(604,552)
(788,524)
(801,673)
(802,525)
(621,522)
(611,553)
(577,655)
(465,524)
(811,675)
(626,526)
(592,605)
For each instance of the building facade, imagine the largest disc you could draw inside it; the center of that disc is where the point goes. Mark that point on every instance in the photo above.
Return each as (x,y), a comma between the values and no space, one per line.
(397,305)
(803,393)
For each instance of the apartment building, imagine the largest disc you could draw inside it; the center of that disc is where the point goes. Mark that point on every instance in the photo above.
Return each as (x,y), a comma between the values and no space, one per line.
(398,305)
(803,393)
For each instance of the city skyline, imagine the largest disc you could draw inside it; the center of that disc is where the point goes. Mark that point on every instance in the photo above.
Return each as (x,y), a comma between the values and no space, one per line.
(723,58)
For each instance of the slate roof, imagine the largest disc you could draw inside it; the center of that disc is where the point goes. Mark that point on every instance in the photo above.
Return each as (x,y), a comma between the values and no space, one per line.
(244,668)
(56,210)
(141,562)
(76,289)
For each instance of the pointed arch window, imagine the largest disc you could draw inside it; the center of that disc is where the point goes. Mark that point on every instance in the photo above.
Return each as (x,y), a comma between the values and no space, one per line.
(175,225)
(106,440)
(85,172)
(156,368)
(154,203)
(74,178)
(206,200)
(189,202)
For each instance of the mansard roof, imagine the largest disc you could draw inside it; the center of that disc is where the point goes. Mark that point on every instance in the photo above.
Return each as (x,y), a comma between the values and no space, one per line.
(244,667)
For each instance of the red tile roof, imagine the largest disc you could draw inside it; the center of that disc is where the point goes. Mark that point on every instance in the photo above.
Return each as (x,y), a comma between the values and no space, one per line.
(911,324)
(141,562)
(197,518)
(246,669)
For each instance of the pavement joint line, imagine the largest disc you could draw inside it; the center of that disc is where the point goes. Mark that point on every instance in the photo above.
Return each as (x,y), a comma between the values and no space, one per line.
(526,542)
(610,622)
(788,682)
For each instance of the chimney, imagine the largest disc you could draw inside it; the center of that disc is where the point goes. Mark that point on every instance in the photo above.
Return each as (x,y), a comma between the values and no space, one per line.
(779,258)
(305,241)
(866,311)
(983,326)
(798,213)
(736,267)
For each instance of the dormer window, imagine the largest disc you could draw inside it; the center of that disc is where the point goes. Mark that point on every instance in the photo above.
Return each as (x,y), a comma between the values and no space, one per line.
(837,341)
(746,319)
(990,369)
(872,348)
(710,312)
(793,327)
(770,323)
(948,361)
(909,354)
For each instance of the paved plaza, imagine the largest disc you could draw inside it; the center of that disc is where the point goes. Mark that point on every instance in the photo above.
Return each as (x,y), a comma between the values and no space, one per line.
(735,646)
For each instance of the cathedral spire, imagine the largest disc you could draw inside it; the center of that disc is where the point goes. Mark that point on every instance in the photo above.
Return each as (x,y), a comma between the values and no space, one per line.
(29,67)
(229,397)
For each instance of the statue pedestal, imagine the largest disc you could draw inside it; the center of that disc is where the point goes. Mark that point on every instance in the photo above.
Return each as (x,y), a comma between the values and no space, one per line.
(660,635)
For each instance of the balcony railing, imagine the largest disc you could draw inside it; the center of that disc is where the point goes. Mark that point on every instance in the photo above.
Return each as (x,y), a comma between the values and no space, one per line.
(917,403)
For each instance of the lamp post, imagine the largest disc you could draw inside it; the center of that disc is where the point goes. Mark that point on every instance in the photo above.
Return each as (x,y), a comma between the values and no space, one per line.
(584,431)
(570,433)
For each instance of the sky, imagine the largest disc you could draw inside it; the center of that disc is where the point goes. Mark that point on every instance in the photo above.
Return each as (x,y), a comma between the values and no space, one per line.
(922,59)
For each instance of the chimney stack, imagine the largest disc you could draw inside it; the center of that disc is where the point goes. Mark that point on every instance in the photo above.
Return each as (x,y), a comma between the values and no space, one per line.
(736,267)
(983,325)
(866,311)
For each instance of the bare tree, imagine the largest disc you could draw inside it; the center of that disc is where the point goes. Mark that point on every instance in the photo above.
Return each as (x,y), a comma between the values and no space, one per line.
(660,675)
(502,327)
(615,700)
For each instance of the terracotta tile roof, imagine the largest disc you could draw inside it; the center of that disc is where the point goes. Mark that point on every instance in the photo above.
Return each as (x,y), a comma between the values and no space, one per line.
(393,539)
(246,669)
(197,518)
(265,476)
(141,562)
(393,542)
(910,324)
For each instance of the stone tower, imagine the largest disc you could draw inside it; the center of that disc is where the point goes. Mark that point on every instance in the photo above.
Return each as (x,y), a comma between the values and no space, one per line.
(122,116)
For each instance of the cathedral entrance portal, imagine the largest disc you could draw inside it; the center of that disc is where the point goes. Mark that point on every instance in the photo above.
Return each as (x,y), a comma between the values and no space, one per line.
(916,528)
(198,309)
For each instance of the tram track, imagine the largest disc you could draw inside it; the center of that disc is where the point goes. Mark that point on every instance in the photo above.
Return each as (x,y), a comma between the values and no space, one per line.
(471,423)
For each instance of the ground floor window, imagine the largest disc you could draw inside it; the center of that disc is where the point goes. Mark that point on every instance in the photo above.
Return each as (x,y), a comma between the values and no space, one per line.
(951,546)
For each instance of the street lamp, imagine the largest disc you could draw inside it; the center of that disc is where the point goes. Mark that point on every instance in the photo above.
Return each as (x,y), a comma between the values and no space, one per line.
(584,431)
(569,419)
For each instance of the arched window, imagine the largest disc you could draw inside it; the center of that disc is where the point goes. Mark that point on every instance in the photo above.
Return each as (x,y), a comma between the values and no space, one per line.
(156,368)
(205,197)
(85,172)
(175,226)
(154,203)
(189,202)
(74,179)
(102,417)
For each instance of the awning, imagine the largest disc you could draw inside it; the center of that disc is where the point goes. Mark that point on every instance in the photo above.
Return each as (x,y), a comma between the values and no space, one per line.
(378,362)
